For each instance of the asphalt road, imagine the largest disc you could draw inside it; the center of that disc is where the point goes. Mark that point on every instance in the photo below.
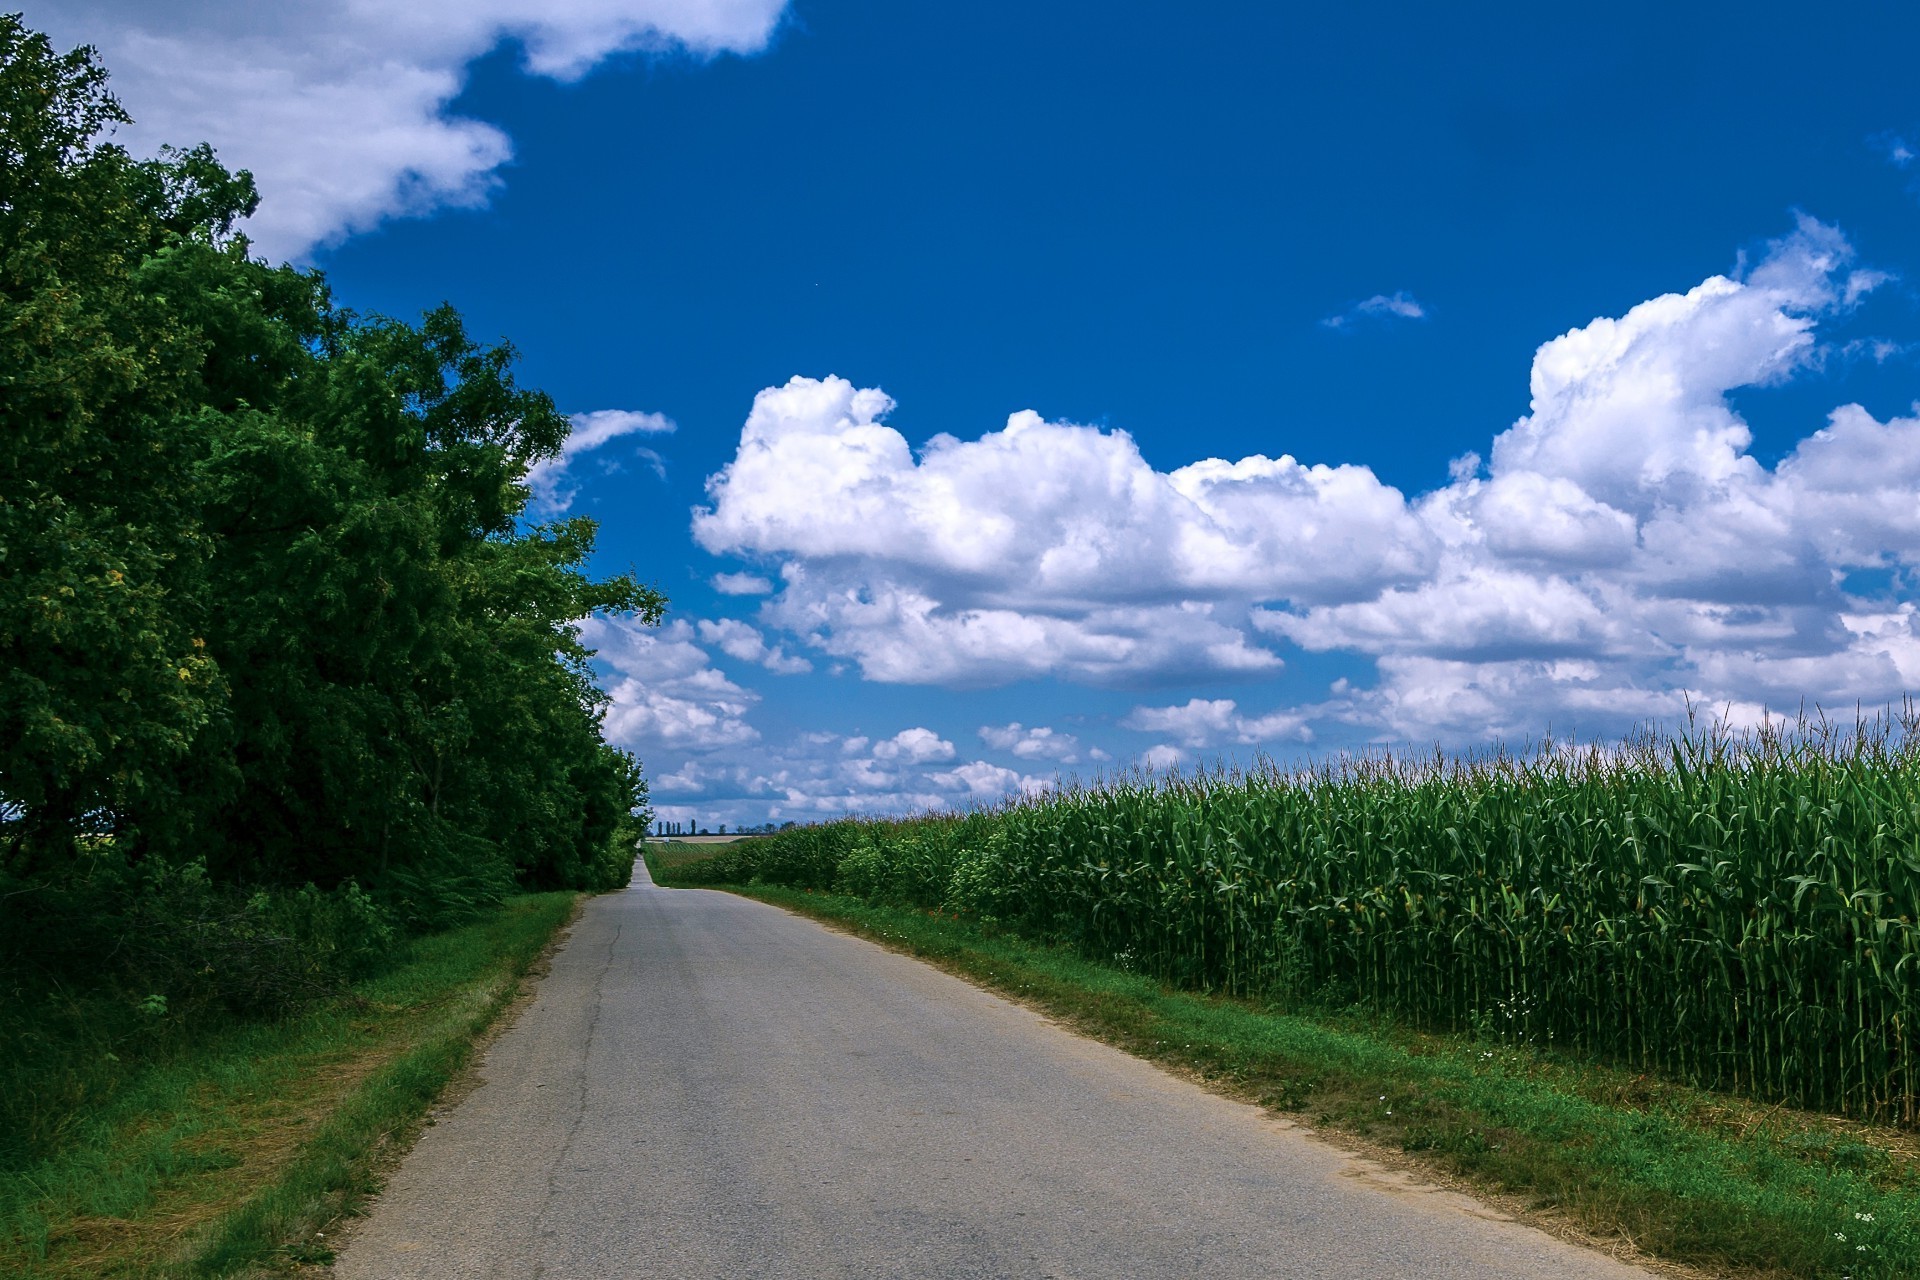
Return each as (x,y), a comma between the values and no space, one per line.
(710,1087)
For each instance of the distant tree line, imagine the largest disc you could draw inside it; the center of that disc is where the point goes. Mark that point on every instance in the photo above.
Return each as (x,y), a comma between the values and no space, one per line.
(270,603)
(692,827)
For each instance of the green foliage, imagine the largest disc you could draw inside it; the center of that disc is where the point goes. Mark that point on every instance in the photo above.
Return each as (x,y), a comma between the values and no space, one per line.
(269,604)
(122,962)
(1739,914)
(284,669)
(188,1156)
(102,684)
(804,858)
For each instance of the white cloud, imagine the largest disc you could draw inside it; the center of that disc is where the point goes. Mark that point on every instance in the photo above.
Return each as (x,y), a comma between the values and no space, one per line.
(1898,151)
(1204,722)
(738,640)
(824,775)
(1399,305)
(914,746)
(1037,743)
(667,697)
(1620,549)
(741,584)
(1163,758)
(1046,548)
(1198,723)
(980,782)
(904,634)
(552,480)
(1627,549)
(1468,611)
(591,430)
(1046,515)
(339,107)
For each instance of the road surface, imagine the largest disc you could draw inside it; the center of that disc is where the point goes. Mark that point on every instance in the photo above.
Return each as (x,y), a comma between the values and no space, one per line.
(709,1087)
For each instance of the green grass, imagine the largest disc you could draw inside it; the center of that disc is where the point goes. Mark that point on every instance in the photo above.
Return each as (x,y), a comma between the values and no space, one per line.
(237,1153)
(1686,1175)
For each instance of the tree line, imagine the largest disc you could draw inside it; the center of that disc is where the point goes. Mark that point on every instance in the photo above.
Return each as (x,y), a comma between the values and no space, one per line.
(271,603)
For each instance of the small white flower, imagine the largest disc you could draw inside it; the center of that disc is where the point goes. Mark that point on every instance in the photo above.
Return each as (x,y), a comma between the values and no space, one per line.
(1863,1217)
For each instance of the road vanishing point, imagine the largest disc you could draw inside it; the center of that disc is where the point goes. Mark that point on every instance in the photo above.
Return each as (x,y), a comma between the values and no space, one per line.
(706,1086)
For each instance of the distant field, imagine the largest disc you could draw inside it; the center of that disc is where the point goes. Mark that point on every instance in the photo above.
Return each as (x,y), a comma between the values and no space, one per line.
(678,851)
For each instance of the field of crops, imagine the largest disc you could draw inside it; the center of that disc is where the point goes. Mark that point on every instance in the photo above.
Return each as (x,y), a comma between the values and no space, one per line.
(1733,912)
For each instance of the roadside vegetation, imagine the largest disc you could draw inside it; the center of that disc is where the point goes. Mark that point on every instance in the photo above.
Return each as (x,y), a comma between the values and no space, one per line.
(238,1149)
(289,678)
(1643,986)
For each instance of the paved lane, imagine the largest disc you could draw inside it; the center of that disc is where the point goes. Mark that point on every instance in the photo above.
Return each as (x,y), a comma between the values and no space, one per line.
(709,1087)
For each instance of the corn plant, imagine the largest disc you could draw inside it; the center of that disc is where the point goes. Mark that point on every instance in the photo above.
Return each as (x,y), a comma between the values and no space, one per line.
(1736,912)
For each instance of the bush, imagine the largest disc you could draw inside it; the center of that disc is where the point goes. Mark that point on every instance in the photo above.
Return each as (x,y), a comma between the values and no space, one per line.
(118,961)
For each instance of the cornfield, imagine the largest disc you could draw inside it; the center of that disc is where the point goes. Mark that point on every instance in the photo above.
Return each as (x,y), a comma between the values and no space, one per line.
(1735,912)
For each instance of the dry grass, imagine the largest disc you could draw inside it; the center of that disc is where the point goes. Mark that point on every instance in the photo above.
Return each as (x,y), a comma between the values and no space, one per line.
(250,1139)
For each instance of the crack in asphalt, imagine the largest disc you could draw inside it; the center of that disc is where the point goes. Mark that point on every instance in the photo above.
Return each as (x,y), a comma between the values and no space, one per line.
(580,1098)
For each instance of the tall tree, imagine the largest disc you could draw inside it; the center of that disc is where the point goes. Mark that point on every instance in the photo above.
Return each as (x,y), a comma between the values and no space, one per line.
(267,596)
(104,680)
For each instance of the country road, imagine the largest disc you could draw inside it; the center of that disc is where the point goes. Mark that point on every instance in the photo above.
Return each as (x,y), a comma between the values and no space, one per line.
(709,1087)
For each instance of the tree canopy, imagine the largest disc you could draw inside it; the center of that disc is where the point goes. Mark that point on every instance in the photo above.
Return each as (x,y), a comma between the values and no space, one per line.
(270,598)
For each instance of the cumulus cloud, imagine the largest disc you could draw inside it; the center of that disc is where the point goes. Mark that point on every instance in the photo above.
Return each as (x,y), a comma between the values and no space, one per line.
(1625,546)
(980,782)
(1163,757)
(898,633)
(666,695)
(1620,548)
(1399,305)
(553,480)
(738,640)
(741,584)
(340,107)
(1042,549)
(824,775)
(1037,743)
(914,746)
(1210,722)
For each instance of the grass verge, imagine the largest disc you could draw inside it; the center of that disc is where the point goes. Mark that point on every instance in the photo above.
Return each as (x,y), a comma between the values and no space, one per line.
(1681,1175)
(235,1156)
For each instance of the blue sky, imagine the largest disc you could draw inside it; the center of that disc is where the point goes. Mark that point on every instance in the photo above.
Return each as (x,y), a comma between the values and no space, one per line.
(1342,240)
